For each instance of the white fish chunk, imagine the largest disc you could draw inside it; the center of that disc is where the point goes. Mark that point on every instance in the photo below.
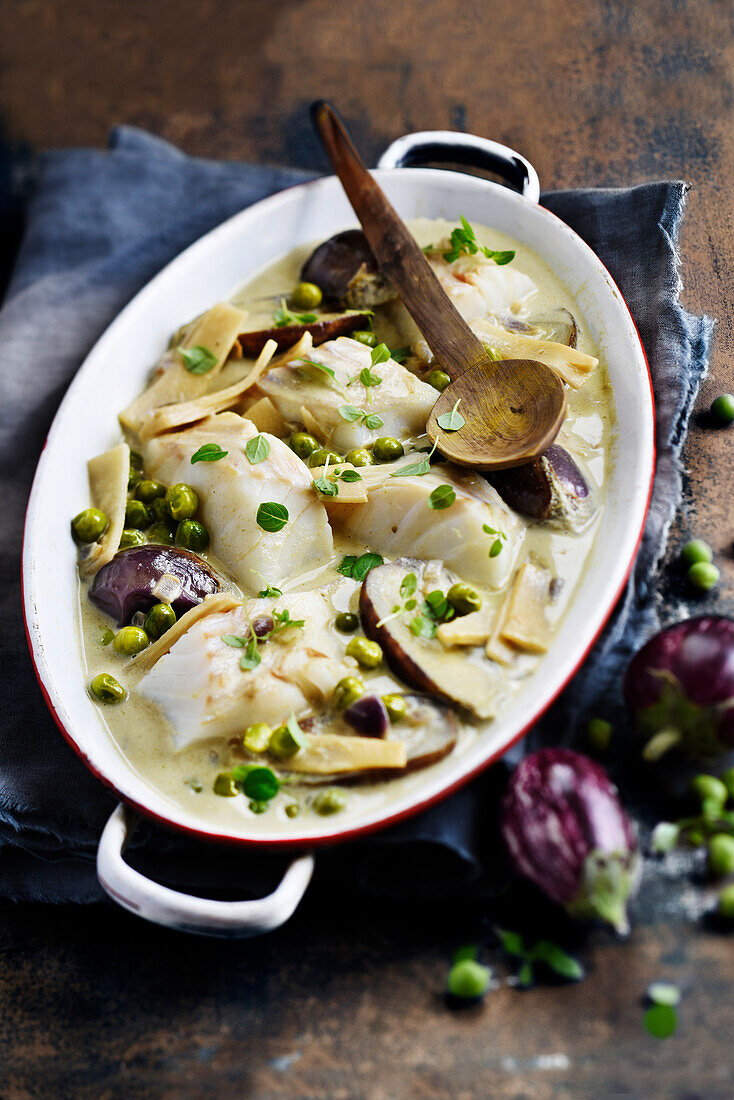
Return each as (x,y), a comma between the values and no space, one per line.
(397,522)
(401,400)
(231,491)
(202,691)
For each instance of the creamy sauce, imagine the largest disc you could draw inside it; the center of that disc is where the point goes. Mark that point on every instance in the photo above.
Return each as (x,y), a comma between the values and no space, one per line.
(140,730)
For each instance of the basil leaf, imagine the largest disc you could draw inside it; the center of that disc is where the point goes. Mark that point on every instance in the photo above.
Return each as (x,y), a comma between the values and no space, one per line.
(257,449)
(367,378)
(210,452)
(269,592)
(234,640)
(250,658)
(373,421)
(316,372)
(350,413)
(452,421)
(364,564)
(198,360)
(399,355)
(496,548)
(272,516)
(346,565)
(436,605)
(326,486)
(423,627)
(489,530)
(557,959)
(380,354)
(283,316)
(408,585)
(349,476)
(415,469)
(500,258)
(443,496)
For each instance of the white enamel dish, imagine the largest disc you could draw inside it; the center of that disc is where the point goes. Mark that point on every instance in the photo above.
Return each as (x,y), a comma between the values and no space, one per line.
(114,373)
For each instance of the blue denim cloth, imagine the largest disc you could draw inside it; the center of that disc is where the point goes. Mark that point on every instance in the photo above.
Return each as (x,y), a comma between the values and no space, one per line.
(99,225)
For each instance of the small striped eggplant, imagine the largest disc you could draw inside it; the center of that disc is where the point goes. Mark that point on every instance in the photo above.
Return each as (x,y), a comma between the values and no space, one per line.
(567,832)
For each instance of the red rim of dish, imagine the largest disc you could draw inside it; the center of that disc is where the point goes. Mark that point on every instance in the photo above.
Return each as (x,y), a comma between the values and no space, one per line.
(305,843)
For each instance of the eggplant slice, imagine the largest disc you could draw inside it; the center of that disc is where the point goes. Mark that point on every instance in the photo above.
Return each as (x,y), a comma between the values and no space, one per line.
(550,488)
(326,328)
(345,269)
(466,677)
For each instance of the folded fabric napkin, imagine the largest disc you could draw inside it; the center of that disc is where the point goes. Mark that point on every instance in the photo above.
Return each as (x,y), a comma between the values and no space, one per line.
(99,225)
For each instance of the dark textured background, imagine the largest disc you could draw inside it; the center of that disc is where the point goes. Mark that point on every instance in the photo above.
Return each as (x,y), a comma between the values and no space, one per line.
(346,1004)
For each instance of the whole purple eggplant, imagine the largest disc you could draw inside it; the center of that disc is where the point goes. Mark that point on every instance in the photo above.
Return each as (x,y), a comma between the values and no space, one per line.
(681,687)
(567,832)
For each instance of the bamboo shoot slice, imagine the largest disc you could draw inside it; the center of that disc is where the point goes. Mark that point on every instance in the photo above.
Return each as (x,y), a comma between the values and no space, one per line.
(188,412)
(330,753)
(221,601)
(473,629)
(217,331)
(572,365)
(108,478)
(350,492)
(266,418)
(525,624)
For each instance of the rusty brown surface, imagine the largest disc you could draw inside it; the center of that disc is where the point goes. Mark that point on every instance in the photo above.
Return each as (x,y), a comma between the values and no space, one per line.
(348,1005)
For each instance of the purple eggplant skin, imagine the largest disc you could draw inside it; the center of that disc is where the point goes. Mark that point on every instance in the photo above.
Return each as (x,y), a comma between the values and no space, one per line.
(125,584)
(680,687)
(345,269)
(549,487)
(566,831)
(368,717)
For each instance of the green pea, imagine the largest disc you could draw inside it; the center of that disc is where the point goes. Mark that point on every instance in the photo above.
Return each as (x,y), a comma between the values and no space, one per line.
(726,903)
(464,599)
(106,689)
(329,801)
(708,786)
(261,784)
(136,461)
(282,743)
(364,336)
(303,444)
(225,785)
(346,622)
(722,409)
(468,979)
(439,379)
(360,457)
(711,809)
(721,855)
(599,733)
(257,807)
(131,537)
(695,551)
(292,809)
(137,515)
(256,738)
(346,692)
(133,478)
(159,619)
(395,706)
(149,490)
(306,296)
(387,449)
(89,525)
(131,640)
(182,501)
(158,509)
(727,778)
(703,576)
(160,534)
(192,535)
(324,457)
(367,654)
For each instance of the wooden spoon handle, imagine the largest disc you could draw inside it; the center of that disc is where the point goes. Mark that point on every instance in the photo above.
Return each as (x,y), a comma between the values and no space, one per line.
(400,258)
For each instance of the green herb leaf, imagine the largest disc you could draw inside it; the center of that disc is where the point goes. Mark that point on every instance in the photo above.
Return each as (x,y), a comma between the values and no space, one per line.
(269,592)
(349,476)
(661,1021)
(443,496)
(316,372)
(234,640)
(399,355)
(500,258)
(367,378)
(379,354)
(464,242)
(468,951)
(350,413)
(525,974)
(327,486)
(495,548)
(452,421)
(512,942)
(415,469)
(261,784)
(346,565)
(364,564)
(284,621)
(436,605)
(423,627)
(408,585)
(284,316)
(210,452)
(557,959)
(250,658)
(257,449)
(198,360)
(373,421)
(272,516)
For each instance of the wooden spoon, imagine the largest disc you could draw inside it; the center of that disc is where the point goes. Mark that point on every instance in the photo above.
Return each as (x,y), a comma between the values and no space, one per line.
(512,409)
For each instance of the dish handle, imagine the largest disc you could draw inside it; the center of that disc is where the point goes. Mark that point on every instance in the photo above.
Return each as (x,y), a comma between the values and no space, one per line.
(449,147)
(186,912)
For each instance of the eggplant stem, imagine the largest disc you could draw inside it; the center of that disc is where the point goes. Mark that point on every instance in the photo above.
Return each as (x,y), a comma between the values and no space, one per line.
(663,741)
